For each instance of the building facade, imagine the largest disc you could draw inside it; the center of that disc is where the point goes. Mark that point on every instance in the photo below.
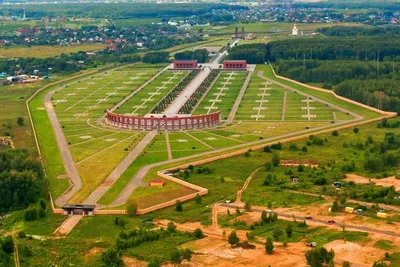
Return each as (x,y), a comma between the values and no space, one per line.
(155,123)
(235,64)
(185,64)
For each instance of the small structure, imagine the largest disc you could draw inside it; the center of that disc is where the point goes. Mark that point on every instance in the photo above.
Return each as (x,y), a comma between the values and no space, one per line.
(382,215)
(235,64)
(295,180)
(337,184)
(185,64)
(349,210)
(77,209)
(157,183)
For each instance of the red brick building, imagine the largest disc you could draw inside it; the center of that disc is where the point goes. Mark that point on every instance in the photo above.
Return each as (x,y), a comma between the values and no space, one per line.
(185,64)
(234,64)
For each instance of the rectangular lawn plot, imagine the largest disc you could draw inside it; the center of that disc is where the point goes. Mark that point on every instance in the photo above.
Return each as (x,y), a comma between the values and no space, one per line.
(261,101)
(142,102)
(184,145)
(223,94)
(215,140)
(91,97)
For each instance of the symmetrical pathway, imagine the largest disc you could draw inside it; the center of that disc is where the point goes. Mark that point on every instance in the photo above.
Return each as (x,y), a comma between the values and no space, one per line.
(239,98)
(69,224)
(284,106)
(168,143)
(120,169)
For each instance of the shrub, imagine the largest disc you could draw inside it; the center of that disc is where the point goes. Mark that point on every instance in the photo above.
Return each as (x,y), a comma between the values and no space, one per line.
(233,239)
(198,233)
(275,159)
(335,133)
(356,130)
(178,206)
(267,149)
(132,207)
(269,246)
(21,234)
(30,214)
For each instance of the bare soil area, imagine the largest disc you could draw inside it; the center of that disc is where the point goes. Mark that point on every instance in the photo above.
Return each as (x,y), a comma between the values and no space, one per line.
(387,182)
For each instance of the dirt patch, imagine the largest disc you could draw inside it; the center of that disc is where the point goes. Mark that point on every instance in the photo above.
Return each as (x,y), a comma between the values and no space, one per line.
(92,253)
(346,251)
(213,252)
(386,182)
(131,262)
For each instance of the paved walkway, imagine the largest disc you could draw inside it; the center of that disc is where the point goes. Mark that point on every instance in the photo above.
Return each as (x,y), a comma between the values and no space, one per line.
(169,151)
(120,169)
(284,106)
(239,98)
(69,224)
(69,163)
(175,106)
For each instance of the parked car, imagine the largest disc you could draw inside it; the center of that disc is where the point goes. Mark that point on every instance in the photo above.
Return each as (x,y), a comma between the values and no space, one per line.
(312,244)
(331,221)
(308,218)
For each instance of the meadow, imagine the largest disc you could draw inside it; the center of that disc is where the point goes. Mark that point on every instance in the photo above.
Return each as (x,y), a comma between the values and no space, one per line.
(44,51)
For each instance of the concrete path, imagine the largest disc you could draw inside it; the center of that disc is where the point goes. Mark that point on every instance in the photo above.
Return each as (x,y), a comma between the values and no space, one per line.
(120,169)
(169,151)
(239,98)
(69,224)
(284,106)
(69,163)
(175,106)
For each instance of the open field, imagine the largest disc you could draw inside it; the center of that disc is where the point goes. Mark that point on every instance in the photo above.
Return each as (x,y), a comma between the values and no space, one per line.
(43,51)
(223,94)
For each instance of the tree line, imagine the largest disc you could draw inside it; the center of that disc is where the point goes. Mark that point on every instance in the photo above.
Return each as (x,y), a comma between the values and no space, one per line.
(21,180)
(117,10)
(200,55)
(355,30)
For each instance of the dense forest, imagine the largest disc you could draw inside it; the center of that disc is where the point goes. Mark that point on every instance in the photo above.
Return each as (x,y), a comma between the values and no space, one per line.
(21,180)
(363,31)
(117,10)
(199,54)
(253,53)
(336,48)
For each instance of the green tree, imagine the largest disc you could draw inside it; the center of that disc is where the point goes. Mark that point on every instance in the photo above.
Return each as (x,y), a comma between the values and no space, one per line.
(264,217)
(233,239)
(269,246)
(176,256)
(20,121)
(247,206)
(131,207)
(319,257)
(171,227)
(380,264)
(198,199)
(335,206)
(275,159)
(356,130)
(112,258)
(277,232)
(198,233)
(187,254)
(8,244)
(178,206)
(289,230)
(346,264)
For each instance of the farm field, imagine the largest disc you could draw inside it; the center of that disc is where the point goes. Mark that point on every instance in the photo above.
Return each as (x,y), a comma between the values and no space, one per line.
(222,95)
(44,51)
(142,102)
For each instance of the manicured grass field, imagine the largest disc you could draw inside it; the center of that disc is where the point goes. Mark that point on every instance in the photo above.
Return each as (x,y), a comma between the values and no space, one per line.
(264,100)
(223,94)
(142,102)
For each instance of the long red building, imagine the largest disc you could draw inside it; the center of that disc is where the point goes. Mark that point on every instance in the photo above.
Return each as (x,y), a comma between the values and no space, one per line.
(185,64)
(234,64)
(153,123)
